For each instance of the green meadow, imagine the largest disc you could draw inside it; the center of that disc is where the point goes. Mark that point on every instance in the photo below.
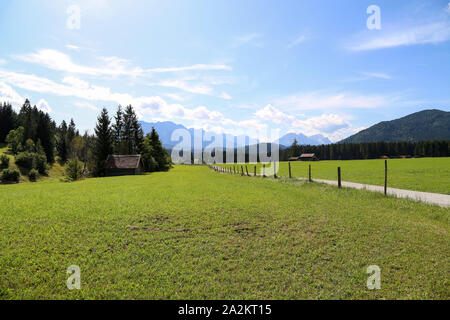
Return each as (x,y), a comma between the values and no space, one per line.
(421,174)
(192,233)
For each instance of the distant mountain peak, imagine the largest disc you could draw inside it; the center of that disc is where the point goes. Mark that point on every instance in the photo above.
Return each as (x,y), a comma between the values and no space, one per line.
(165,129)
(288,139)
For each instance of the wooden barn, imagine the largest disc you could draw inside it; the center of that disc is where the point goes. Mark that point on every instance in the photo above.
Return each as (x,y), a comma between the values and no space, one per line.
(123,165)
(308,157)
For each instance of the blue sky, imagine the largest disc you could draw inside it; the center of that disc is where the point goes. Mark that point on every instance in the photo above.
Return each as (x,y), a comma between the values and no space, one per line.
(228,66)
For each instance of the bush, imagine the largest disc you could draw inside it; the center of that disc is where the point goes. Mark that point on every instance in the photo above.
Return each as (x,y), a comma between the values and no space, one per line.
(10,175)
(4,161)
(74,170)
(25,160)
(40,163)
(33,175)
(30,160)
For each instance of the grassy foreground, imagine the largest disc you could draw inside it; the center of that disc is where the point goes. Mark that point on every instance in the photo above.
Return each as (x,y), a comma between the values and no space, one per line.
(192,233)
(423,174)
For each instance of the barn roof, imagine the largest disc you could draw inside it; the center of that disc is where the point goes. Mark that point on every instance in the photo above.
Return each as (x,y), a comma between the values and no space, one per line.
(308,155)
(123,161)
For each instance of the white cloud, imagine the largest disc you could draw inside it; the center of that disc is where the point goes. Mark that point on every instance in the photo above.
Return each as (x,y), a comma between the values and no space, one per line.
(300,39)
(76,82)
(43,85)
(343,133)
(188,86)
(86,105)
(2,62)
(330,125)
(72,47)
(270,113)
(43,106)
(251,38)
(59,61)
(153,106)
(225,96)
(448,8)
(175,96)
(423,34)
(326,123)
(111,66)
(203,67)
(367,76)
(185,86)
(319,101)
(8,94)
(378,75)
(252,124)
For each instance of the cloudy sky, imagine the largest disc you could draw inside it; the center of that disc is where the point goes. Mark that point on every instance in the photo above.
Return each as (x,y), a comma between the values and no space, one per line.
(227,65)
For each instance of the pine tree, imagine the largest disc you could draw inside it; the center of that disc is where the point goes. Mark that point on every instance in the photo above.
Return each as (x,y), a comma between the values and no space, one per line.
(138,136)
(71,134)
(159,153)
(104,142)
(118,130)
(61,142)
(132,134)
(26,121)
(45,133)
(8,120)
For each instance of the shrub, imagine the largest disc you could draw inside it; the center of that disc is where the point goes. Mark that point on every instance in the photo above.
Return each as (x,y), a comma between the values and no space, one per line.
(14,139)
(10,175)
(30,160)
(40,163)
(4,161)
(33,175)
(25,160)
(74,170)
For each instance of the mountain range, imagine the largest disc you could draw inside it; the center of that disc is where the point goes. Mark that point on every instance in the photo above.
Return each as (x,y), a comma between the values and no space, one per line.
(166,128)
(426,125)
(420,126)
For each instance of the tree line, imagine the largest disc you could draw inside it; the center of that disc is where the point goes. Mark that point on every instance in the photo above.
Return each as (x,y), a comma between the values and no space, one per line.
(370,150)
(37,142)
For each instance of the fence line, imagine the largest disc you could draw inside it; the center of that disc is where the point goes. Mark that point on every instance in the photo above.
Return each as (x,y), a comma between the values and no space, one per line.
(232,170)
(442,200)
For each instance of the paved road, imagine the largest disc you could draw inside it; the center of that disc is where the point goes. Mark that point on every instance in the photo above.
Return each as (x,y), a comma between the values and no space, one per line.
(442,200)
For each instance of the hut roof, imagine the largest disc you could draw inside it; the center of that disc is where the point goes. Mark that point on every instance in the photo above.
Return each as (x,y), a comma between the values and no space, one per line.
(308,155)
(123,161)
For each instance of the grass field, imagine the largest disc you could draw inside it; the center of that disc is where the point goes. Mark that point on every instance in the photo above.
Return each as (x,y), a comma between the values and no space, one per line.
(192,233)
(423,174)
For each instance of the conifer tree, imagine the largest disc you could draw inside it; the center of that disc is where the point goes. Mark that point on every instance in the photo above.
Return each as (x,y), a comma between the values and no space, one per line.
(118,130)
(159,153)
(104,142)
(61,142)
(8,120)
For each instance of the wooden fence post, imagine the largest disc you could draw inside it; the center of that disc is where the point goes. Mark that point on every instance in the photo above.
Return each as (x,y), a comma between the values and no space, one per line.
(339,177)
(274,169)
(246,170)
(309,175)
(255,172)
(242,171)
(385,177)
(290,175)
(264,170)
